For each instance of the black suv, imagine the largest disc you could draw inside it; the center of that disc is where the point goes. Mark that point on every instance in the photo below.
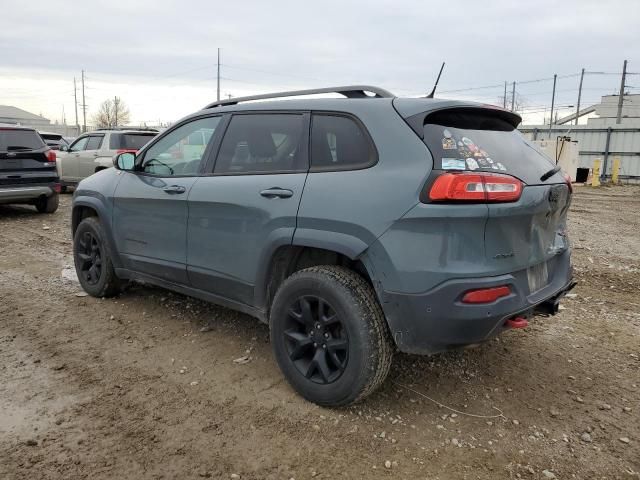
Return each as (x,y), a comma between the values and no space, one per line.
(27,169)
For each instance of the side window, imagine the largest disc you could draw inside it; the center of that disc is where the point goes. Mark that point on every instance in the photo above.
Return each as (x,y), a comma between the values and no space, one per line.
(263,143)
(94,142)
(180,151)
(339,143)
(79,144)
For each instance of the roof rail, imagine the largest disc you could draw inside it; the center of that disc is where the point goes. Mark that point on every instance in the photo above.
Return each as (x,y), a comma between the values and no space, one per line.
(349,91)
(121,128)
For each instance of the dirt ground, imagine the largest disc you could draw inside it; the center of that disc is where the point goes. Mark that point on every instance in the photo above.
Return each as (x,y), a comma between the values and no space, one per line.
(145,385)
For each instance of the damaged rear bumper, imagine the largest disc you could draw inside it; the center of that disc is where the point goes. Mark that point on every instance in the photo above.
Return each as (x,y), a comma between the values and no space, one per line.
(438,320)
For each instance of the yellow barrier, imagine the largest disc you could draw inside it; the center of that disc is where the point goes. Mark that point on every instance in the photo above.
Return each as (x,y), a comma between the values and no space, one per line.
(595,177)
(615,170)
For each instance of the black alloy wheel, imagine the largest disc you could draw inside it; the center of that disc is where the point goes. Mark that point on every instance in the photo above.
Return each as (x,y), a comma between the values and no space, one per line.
(316,340)
(90,256)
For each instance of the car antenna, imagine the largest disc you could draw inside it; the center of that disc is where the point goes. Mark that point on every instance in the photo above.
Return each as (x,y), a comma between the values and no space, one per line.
(433,92)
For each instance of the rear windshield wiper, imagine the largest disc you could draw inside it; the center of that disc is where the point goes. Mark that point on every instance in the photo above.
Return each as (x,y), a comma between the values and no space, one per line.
(550,173)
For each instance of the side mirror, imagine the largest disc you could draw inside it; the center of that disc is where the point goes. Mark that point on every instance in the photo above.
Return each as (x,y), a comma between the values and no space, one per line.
(124,161)
(64,148)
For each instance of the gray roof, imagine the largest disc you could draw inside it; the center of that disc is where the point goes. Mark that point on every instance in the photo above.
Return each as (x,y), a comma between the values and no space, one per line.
(7,111)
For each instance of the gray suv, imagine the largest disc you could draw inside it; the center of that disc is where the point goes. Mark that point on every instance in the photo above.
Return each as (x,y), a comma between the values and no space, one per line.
(352,226)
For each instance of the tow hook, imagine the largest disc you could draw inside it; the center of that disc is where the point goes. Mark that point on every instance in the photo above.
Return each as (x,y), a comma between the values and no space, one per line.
(517,322)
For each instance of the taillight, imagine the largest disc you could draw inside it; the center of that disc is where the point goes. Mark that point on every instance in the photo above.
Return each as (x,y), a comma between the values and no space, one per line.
(486,295)
(51,156)
(475,187)
(124,150)
(57,187)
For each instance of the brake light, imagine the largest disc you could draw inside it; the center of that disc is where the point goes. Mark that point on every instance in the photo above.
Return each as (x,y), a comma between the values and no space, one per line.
(57,187)
(486,295)
(51,156)
(475,187)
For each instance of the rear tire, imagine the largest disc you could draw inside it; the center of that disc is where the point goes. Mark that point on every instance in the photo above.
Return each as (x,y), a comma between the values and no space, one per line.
(329,335)
(93,260)
(48,204)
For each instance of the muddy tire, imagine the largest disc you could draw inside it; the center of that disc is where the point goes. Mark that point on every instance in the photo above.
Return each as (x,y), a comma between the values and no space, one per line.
(329,335)
(48,204)
(93,260)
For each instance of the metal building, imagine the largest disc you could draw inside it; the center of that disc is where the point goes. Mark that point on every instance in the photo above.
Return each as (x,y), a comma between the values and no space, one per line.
(602,137)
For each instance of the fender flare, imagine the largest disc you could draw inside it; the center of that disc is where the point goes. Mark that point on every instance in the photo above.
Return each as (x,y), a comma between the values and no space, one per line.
(350,246)
(96,203)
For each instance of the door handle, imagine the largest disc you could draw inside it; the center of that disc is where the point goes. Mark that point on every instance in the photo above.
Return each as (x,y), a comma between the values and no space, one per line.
(276,192)
(174,189)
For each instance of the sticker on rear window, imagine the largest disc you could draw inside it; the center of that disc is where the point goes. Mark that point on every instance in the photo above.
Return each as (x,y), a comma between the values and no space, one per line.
(448,143)
(453,164)
(472,164)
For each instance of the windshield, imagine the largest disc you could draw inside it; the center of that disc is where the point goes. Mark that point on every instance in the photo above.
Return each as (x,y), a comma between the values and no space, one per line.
(19,140)
(480,141)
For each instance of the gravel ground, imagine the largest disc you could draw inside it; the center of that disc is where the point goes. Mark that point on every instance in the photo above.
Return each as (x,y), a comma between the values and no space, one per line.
(145,385)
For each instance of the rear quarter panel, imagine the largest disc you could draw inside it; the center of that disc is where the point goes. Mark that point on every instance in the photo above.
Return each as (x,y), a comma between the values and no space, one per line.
(347,211)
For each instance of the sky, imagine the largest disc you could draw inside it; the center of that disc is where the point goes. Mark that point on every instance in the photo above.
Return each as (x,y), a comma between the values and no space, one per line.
(160,56)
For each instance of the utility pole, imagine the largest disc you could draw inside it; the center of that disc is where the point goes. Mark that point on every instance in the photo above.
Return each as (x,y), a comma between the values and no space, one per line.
(115,111)
(84,107)
(513,97)
(75,103)
(504,99)
(553,101)
(218,74)
(621,96)
(579,97)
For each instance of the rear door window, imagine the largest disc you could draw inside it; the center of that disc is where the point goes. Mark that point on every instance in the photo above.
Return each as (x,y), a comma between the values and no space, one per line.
(129,141)
(480,140)
(263,143)
(19,140)
(339,143)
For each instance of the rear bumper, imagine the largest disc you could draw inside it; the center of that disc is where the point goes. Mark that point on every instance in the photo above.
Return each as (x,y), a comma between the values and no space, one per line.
(437,320)
(17,194)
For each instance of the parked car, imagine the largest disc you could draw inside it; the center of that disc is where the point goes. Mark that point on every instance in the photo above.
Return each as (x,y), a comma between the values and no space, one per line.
(53,140)
(27,169)
(353,227)
(94,151)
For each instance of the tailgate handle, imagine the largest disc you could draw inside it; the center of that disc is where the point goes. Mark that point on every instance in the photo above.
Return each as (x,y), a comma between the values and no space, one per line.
(274,192)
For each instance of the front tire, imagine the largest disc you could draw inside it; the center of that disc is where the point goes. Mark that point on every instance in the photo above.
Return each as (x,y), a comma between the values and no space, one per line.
(93,260)
(329,335)
(48,204)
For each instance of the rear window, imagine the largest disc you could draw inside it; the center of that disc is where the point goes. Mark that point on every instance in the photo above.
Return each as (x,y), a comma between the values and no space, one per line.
(129,141)
(20,140)
(51,136)
(481,140)
(338,143)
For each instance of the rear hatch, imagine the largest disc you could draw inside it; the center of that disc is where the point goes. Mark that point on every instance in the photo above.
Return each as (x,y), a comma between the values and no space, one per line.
(525,231)
(53,140)
(25,159)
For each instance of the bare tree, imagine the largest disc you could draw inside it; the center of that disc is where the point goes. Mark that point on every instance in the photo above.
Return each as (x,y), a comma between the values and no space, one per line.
(519,104)
(112,113)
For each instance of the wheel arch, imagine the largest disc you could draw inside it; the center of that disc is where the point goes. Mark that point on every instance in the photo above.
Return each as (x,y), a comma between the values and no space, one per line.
(286,259)
(84,207)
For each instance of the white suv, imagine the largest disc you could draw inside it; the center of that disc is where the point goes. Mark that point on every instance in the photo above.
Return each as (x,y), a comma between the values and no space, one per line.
(94,151)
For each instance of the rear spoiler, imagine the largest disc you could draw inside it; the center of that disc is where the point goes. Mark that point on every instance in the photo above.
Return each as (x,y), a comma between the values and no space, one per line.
(470,117)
